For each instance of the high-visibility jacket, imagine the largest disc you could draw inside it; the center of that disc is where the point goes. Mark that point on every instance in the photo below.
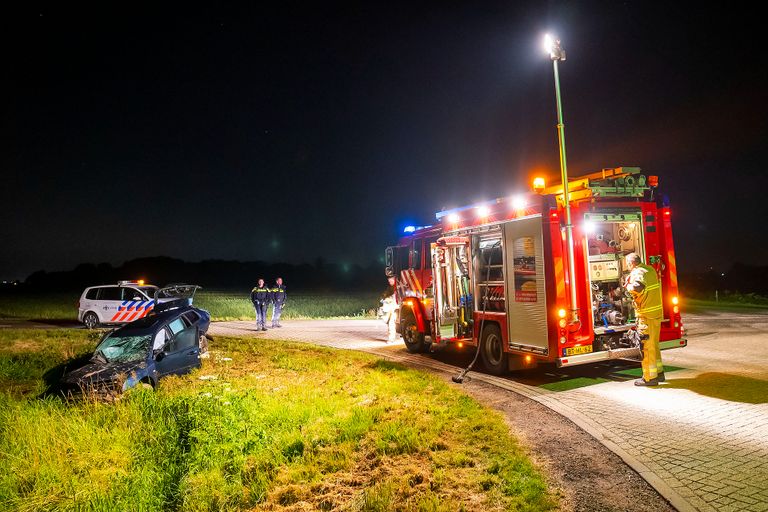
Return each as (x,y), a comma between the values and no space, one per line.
(261,295)
(644,286)
(278,294)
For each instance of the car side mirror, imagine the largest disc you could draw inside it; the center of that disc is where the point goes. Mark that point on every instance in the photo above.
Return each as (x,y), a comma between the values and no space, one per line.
(159,356)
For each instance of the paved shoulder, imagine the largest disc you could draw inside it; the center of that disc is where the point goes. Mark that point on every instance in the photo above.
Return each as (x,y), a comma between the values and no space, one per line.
(347,334)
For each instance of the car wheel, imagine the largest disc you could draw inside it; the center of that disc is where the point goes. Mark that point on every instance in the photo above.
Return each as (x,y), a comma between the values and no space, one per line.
(413,339)
(91,320)
(492,350)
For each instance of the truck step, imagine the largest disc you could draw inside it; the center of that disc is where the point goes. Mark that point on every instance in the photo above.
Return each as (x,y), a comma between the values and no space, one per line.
(625,353)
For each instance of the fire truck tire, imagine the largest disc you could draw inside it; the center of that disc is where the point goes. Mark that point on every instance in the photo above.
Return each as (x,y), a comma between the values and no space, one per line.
(413,339)
(91,320)
(492,350)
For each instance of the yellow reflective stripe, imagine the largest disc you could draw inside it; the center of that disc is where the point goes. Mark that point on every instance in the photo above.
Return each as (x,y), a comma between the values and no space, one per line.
(649,310)
(652,287)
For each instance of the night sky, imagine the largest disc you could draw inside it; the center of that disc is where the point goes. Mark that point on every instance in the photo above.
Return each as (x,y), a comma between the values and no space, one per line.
(284,134)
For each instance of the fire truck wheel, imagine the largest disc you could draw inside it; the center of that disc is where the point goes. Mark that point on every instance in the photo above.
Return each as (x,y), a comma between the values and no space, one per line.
(413,339)
(492,350)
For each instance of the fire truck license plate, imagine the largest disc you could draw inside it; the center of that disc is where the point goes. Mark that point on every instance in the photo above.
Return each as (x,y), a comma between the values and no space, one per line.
(574,351)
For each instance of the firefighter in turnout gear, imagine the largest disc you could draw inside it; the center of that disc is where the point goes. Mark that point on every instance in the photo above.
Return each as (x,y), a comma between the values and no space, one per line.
(260,296)
(644,287)
(278,301)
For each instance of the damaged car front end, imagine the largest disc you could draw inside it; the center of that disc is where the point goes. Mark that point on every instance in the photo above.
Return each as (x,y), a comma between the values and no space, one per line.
(138,354)
(121,361)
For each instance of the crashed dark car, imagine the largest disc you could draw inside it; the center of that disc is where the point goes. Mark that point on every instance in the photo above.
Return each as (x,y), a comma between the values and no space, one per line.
(168,342)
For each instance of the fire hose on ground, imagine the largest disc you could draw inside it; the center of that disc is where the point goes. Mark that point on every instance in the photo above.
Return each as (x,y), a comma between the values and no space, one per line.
(459,379)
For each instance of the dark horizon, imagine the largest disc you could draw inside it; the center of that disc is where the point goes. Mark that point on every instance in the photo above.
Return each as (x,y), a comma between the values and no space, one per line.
(739,281)
(290,133)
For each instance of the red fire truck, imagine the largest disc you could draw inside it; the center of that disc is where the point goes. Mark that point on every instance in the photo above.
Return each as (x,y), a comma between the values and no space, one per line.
(497,274)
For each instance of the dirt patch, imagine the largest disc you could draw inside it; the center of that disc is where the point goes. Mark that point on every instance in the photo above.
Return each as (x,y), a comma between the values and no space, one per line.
(402,481)
(588,475)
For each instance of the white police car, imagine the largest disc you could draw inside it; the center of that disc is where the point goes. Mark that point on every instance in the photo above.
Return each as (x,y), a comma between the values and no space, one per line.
(116,304)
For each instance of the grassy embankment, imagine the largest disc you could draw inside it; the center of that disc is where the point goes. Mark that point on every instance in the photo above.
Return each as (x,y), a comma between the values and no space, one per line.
(280,425)
(223,305)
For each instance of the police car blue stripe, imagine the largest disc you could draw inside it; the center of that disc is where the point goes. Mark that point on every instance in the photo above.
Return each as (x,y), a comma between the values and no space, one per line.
(147,308)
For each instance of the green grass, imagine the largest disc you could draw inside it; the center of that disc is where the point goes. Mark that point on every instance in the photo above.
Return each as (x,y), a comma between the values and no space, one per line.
(732,388)
(223,305)
(237,306)
(634,373)
(586,376)
(573,383)
(702,306)
(49,306)
(280,425)
(27,355)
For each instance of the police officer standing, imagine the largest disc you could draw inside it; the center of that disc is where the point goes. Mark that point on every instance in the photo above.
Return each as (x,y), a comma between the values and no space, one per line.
(644,287)
(260,297)
(278,301)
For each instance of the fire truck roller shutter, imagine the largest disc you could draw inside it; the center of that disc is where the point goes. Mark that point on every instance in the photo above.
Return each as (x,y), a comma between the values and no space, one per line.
(525,281)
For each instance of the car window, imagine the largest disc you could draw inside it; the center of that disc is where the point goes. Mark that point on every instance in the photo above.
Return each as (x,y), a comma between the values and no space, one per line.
(177,326)
(92,294)
(130,293)
(191,317)
(159,341)
(186,339)
(149,291)
(170,347)
(109,293)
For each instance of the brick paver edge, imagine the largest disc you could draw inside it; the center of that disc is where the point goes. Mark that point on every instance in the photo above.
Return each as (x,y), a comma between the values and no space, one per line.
(605,438)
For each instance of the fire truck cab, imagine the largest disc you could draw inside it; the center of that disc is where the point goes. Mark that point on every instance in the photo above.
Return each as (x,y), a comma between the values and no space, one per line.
(496,275)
